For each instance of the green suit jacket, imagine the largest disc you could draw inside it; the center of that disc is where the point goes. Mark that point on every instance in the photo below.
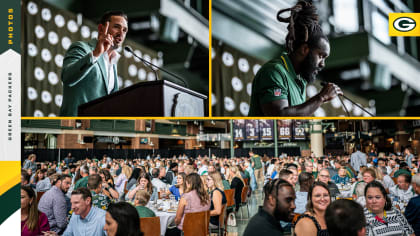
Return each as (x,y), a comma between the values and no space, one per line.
(83,79)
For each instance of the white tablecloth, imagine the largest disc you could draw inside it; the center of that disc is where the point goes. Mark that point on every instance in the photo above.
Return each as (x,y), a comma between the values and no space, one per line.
(166,218)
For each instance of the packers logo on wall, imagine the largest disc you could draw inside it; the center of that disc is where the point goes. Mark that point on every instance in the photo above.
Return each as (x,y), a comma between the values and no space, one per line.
(404,24)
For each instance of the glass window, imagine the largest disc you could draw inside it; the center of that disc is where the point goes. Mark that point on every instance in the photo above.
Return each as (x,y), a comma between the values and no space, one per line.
(380,27)
(346,16)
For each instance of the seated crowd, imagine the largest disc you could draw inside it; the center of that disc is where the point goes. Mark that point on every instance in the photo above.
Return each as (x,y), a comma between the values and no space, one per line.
(331,195)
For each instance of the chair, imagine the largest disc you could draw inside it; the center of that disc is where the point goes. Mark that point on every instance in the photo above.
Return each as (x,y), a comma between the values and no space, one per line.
(221,227)
(394,179)
(196,224)
(230,203)
(294,222)
(125,187)
(348,198)
(295,218)
(150,226)
(230,198)
(38,196)
(244,199)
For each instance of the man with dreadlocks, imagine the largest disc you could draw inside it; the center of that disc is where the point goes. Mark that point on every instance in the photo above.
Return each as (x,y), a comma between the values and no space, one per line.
(279,87)
(279,204)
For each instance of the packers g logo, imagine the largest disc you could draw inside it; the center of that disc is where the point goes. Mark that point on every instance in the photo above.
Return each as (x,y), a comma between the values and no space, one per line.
(404,24)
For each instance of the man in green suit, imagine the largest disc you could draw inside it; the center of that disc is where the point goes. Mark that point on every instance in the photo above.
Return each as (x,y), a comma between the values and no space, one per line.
(89,68)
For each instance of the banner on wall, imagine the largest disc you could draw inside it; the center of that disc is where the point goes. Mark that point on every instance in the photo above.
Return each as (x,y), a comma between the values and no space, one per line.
(266,128)
(238,130)
(299,129)
(252,132)
(284,129)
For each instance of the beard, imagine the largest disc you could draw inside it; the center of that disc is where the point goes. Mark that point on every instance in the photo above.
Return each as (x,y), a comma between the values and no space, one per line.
(281,214)
(309,68)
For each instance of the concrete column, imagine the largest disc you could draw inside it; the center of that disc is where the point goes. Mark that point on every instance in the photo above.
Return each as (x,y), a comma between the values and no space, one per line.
(317,138)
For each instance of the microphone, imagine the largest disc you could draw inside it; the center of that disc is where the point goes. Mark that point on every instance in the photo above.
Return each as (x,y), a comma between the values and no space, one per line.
(323,83)
(152,66)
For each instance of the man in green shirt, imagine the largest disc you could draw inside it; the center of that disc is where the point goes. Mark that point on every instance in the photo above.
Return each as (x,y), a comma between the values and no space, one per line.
(279,88)
(84,172)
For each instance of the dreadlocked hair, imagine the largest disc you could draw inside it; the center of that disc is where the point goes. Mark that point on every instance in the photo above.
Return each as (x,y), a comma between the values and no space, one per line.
(303,26)
(273,186)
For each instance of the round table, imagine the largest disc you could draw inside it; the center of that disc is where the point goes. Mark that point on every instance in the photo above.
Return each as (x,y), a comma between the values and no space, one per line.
(166,218)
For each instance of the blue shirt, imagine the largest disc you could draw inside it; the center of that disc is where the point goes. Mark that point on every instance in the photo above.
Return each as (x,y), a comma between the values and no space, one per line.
(340,180)
(175,191)
(92,225)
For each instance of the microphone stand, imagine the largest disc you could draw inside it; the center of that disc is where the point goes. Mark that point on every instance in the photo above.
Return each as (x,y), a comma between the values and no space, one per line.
(323,83)
(152,66)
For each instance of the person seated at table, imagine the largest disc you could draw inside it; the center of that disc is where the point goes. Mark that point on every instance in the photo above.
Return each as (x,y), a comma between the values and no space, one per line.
(140,201)
(341,177)
(122,219)
(143,183)
(286,175)
(156,180)
(402,169)
(386,179)
(346,218)
(133,178)
(95,186)
(237,183)
(412,211)
(369,175)
(195,199)
(33,222)
(381,217)
(402,191)
(305,182)
(179,188)
(324,176)
(312,222)
(108,184)
(217,197)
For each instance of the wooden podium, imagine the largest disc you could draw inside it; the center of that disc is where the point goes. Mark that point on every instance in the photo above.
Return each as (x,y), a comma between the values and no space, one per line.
(159,98)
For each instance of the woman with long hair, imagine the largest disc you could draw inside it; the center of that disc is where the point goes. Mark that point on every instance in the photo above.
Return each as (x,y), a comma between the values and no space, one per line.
(195,199)
(312,222)
(237,183)
(33,222)
(122,178)
(381,217)
(133,178)
(179,188)
(217,197)
(143,183)
(39,175)
(122,219)
(108,184)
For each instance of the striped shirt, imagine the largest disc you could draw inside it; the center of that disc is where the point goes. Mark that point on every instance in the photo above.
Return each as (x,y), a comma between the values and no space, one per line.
(396,224)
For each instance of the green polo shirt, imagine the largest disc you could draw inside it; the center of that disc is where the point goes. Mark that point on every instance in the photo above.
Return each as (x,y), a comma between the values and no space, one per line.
(274,81)
(81,183)
(145,212)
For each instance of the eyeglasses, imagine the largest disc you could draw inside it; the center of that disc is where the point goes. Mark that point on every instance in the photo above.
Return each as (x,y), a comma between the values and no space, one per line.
(324,176)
